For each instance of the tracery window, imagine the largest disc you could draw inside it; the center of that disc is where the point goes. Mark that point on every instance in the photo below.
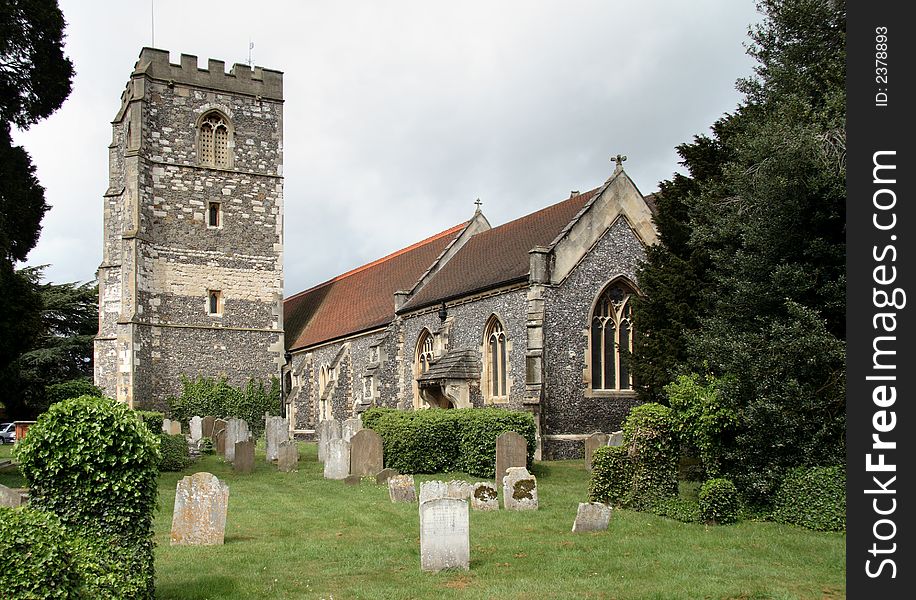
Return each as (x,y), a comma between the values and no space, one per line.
(611,336)
(213,141)
(424,352)
(496,361)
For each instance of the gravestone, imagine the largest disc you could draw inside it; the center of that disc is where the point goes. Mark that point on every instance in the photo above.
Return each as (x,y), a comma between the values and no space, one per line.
(444,535)
(236,431)
(365,453)
(350,427)
(328,430)
(484,496)
(352,479)
(175,427)
(276,431)
(591,516)
(520,490)
(12,497)
(206,426)
(219,436)
(430,490)
(592,443)
(382,477)
(615,439)
(401,488)
(511,451)
(287,456)
(199,519)
(196,428)
(243,459)
(337,460)
(167,426)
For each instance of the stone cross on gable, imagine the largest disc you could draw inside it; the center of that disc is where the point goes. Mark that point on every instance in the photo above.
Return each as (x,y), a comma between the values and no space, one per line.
(478,203)
(619,160)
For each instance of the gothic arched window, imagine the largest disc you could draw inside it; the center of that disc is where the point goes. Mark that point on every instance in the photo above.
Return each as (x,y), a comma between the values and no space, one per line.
(611,335)
(213,141)
(424,352)
(496,360)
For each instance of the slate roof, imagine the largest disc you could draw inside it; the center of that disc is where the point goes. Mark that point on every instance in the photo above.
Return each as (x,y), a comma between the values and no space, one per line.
(454,364)
(499,255)
(361,299)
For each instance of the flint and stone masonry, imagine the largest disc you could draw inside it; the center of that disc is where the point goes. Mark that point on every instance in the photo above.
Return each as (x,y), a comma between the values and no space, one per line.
(193,221)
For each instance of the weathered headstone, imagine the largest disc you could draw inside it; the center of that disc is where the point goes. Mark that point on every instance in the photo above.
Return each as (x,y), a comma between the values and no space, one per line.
(592,443)
(520,489)
(350,427)
(236,431)
(196,428)
(328,430)
(591,516)
(352,479)
(243,459)
(615,439)
(382,477)
(206,426)
(175,427)
(484,496)
(219,436)
(511,451)
(287,456)
(12,497)
(276,431)
(401,488)
(444,535)
(199,519)
(430,490)
(337,460)
(167,426)
(365,453)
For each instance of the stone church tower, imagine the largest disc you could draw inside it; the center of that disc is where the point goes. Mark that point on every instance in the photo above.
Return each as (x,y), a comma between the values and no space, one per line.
(191,280)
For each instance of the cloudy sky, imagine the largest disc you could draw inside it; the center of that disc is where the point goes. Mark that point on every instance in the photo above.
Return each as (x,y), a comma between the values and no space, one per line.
(399,114)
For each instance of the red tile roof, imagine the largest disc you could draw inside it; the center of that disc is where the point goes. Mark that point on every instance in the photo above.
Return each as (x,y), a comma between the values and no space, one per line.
(498,256)
(361,299)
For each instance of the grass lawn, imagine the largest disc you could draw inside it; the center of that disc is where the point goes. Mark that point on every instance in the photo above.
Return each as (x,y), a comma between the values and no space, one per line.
(297,535)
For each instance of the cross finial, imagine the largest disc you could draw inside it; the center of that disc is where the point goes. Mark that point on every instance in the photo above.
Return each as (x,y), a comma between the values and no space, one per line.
(478,203)
(619,160)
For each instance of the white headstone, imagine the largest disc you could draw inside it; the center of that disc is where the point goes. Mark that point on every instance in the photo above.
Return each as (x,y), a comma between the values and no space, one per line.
(337,460)
(196,428)
(167,426)
(328,430)
(591,516)
(276,431)
(350,427)
(520,489)
(615,439)
(430,490)
(236,431)
(201,503)
(444,535)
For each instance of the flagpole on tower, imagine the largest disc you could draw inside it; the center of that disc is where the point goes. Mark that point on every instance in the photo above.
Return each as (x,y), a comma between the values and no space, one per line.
(152,22)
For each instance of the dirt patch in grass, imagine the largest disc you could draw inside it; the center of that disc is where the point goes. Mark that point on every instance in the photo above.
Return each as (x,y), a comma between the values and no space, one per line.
(460,582)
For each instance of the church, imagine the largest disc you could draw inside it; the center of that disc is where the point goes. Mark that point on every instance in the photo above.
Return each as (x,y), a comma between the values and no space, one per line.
(531,315)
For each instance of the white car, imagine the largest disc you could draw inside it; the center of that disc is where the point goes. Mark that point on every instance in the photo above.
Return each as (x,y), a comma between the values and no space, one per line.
(7,433)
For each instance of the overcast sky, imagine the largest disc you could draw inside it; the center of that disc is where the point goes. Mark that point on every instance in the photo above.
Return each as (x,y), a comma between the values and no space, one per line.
(399,114)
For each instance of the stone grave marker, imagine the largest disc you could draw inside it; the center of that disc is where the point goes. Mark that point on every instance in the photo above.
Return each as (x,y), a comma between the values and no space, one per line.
(219,436)
(243,459)
(352,479)
(287,456)
(328,430)
(591,516)
(484,496)
(276,431)
(365,453)
(236,431)
(615,439)
(199,519)
(511,451)
(382,477)
(337,460)
(401,488)
(12,497)
(444,535)
(167,426)
(175,427)
(592,443)
(206,427)
(196,428)
(350,427)
(430,490)
(520,490)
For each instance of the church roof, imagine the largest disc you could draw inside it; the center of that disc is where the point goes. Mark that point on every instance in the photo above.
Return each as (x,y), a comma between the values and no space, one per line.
(499,255)
(361,299)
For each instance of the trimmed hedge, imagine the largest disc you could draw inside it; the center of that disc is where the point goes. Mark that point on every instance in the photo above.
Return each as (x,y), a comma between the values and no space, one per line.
(435,441)
(92,463)
(611,476)
(37,557)
(649,436)
(174,452)
(216,397)
(153,419)
(814,498)
(719,501)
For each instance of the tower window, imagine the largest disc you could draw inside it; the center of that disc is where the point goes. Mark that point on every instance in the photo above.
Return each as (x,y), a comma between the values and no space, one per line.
(214,216)
(215,303)
(213,141)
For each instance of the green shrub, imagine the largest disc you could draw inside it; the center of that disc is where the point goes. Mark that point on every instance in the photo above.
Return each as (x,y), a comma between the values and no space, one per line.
(679,509)
(814,498)
(74,388)
(648,435)
(719,501)
(611,476)
(205,445)
(174,452)
(216,397)
(153,419)
(92,463)
(37,557)
(435,441)
(700,418)
(371,416)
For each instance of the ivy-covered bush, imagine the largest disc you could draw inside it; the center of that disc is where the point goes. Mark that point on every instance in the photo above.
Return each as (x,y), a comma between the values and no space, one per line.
(719,501)
(37,557)
(91,462)
(814,498)
(681,509)
(371,416)
(611,476)
(435,441)
(205,445)
(648,435)
(153,419)
(74,388)
(700,418)
(174,452)
(216,397)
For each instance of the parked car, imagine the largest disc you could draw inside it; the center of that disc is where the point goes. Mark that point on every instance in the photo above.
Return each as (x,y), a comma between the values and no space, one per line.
(7,433)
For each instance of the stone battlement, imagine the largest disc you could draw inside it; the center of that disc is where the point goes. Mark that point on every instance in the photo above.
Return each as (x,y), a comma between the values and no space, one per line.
(242,79)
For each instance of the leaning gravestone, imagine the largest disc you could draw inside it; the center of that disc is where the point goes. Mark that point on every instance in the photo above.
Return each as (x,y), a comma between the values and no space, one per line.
(243,457)
(511,451)
(276,431)
(484,496)
(337,460)
(615,439)
(236,431)
(287,456)
(219,436)
(327,430)
(350,427)
(382,477)
(444,535)
(591,516)
(196,428)
(401,488)
(592,443)
(199,519)
(365,453)
(206,426)
(520,490)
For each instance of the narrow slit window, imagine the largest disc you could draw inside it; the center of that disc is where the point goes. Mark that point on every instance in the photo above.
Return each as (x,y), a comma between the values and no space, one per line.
(214,302)
(214,216)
